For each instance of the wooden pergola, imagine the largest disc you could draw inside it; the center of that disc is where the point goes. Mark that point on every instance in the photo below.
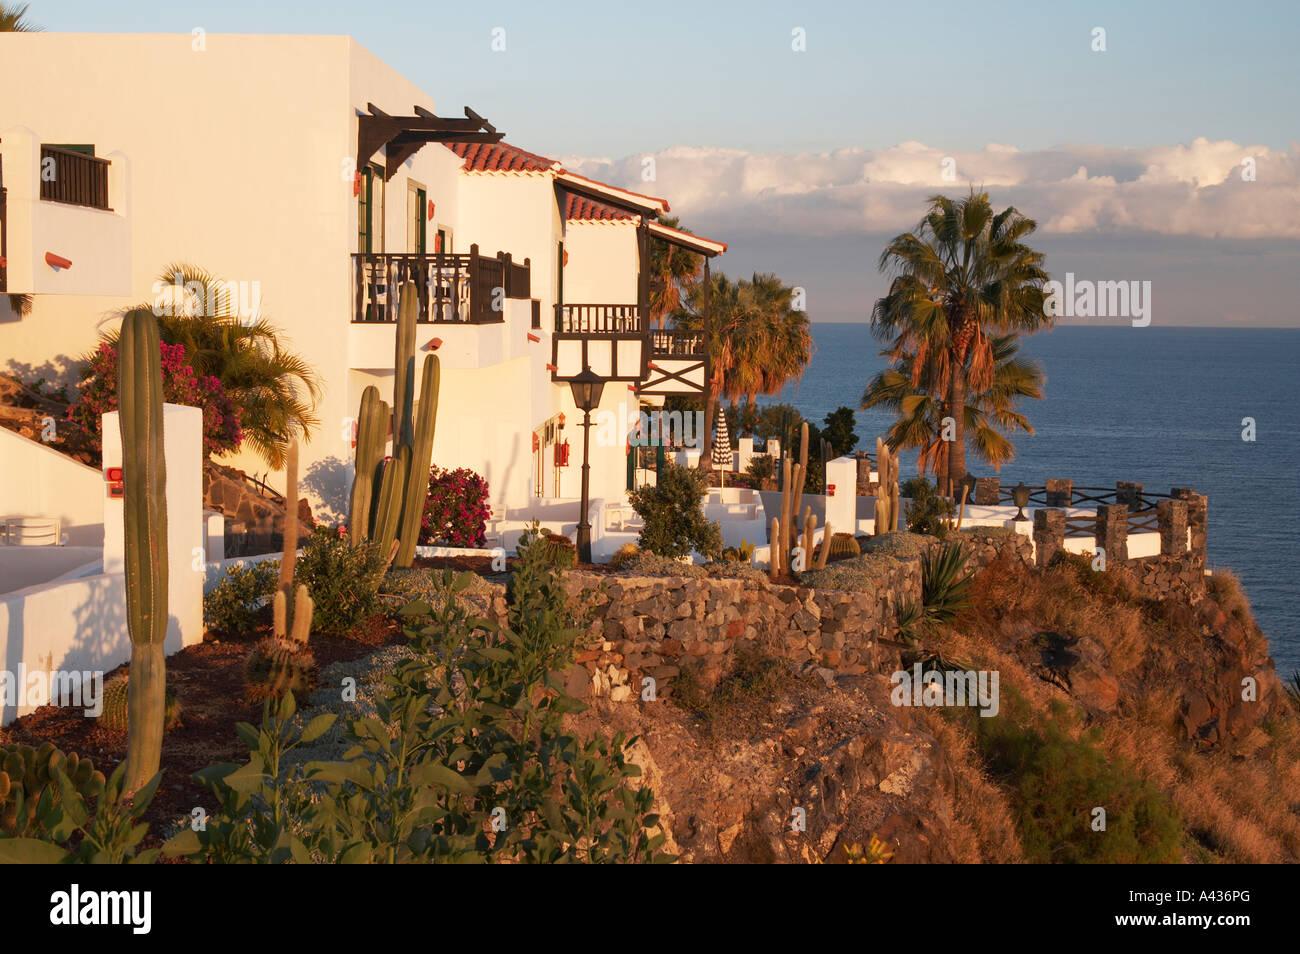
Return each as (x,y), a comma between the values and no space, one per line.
(402,136)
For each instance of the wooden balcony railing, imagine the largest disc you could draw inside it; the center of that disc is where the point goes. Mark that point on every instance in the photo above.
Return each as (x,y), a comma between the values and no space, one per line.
(675,343)
(78,179)
(597,319)
(452,288)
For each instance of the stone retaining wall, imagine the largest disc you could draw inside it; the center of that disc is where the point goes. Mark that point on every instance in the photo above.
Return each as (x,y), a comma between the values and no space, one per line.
(657,626)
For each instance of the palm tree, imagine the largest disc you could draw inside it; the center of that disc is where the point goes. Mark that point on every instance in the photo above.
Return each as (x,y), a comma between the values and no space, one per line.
(757,341)
(274,389)
(963,275)
(12,20)
(988,415)
(671,270)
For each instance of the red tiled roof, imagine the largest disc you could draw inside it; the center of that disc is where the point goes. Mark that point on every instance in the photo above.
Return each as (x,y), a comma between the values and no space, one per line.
(499,157)
(606,185)
(580,208)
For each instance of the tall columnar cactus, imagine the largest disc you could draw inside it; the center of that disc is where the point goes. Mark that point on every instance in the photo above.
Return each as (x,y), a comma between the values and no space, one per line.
(144,473)
(886,489)
(297,630)
(290,551)
(372,435)
(402,498)
(417,477)
(388,509)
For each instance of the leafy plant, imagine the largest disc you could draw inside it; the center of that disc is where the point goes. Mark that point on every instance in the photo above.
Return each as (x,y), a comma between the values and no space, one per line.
(927,510)
(234,604)
(1059,774)
(457,508)
(343,580)
(837,430)
(222,431)
(674,521)
(741,554)
(64,831)
(761,467)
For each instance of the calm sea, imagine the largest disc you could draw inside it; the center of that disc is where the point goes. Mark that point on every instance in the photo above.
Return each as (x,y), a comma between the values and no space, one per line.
(1163,406)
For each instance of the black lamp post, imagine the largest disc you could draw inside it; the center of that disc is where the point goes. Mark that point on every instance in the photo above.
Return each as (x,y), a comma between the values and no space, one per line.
(587,388)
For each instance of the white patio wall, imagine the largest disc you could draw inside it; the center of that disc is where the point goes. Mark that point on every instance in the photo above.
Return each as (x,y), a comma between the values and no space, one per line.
(79,624)
(38,481)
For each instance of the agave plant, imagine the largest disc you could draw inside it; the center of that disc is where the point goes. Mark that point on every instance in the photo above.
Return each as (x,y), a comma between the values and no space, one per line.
(945,591)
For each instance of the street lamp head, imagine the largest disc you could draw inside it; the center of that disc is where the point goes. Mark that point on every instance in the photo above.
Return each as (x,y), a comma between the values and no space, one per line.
(587,388)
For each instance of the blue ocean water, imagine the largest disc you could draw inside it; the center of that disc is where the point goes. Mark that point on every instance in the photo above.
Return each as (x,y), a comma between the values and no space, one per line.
(1163,406)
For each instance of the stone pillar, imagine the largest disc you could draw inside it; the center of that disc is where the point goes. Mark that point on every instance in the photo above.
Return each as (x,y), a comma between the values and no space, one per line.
(1197,518)
(1060,490)
(1172,517)
(865,471)
(1049,535)
(1128,493)
(987,491)
(1112,531)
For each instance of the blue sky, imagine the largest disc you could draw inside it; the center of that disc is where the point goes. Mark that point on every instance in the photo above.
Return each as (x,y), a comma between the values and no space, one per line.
(612,82)
(610,78)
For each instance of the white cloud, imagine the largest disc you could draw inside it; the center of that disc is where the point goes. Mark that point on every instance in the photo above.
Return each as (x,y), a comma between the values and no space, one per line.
(1192,189)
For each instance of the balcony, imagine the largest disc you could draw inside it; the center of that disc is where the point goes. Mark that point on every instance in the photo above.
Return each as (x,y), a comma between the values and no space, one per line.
(453,288)
(64,222)
(677,360)
(78,178)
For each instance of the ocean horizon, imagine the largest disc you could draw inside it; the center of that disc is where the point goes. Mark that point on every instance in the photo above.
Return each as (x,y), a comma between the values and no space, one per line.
(1126,403)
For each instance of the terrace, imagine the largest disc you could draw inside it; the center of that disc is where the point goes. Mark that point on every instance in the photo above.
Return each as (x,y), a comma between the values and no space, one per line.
(453,288)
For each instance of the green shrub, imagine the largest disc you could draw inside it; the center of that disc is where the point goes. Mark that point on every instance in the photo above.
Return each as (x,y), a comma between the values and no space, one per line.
(343,580)
(674,520)
(466,738)
(233,605)
(1058,779)
(760,468)
(926,508)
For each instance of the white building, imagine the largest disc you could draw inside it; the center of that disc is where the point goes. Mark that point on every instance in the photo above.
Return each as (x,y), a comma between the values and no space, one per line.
(308,169)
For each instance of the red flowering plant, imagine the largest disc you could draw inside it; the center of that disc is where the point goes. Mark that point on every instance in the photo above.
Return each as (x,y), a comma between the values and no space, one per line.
(222,432)
(457,510)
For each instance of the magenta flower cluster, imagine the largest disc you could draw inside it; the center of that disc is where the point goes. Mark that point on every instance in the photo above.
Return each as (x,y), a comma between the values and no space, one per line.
(222,432)
(457,509)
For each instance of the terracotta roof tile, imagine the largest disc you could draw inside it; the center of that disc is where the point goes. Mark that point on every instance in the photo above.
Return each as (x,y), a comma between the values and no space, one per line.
(580,208)
(499,157)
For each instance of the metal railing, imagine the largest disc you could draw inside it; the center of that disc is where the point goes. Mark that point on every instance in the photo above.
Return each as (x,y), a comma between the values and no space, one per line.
(451,288)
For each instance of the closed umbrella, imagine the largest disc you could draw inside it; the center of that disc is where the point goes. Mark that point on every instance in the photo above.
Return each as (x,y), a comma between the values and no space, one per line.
(722,446)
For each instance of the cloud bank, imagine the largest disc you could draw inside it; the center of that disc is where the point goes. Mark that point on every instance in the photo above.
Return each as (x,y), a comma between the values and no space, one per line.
(1219,190)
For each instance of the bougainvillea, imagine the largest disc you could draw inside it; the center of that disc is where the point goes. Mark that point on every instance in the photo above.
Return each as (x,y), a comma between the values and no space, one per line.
(456,510)
(221,428)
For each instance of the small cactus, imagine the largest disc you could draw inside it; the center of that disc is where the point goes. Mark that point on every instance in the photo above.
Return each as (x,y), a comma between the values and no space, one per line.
(560,551)
(278,666)
(114,716)
(844,546)
(28,772)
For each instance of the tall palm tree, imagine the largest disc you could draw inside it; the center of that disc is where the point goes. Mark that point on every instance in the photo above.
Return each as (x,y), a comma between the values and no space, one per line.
(672,269)
(274,389)
(13,20)
(988,415)
(963,275)
(757,341)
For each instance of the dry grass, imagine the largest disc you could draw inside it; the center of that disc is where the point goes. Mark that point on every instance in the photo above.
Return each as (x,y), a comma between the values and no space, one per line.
(1235,809)
(982,829)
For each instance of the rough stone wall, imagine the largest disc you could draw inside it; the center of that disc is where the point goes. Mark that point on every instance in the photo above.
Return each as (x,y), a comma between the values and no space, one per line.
(657,626)
(1179,577)
(254,524)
